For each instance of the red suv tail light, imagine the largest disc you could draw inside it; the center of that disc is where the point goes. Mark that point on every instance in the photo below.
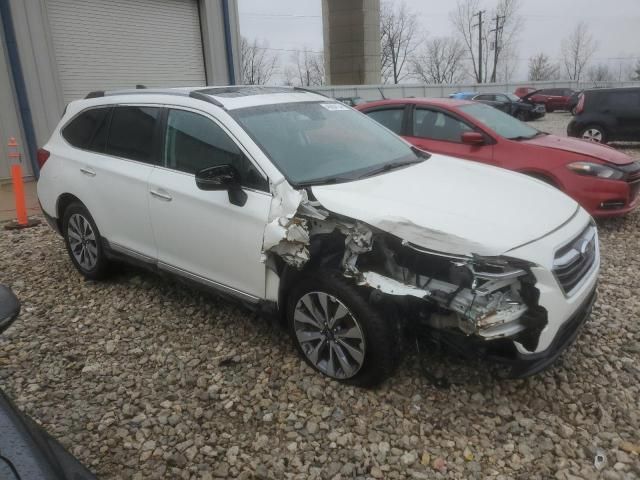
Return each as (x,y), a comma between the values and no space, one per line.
(42,157)
(580,106)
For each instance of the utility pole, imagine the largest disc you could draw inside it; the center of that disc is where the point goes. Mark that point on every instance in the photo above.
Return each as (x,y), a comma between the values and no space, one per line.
(496,48)
(479,25)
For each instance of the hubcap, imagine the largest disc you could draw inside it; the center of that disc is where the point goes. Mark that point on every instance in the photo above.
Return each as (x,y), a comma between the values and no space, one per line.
(593,135)
(329,335)
(82,241)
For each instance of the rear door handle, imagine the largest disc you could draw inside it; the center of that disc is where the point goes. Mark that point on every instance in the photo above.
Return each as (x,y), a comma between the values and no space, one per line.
(88,171)
(162,195)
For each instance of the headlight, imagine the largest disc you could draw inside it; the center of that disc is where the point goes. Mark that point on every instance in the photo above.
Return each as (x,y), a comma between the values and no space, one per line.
(595,170)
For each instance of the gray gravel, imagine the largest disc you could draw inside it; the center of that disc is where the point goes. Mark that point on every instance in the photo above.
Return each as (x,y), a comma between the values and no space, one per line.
(144,378)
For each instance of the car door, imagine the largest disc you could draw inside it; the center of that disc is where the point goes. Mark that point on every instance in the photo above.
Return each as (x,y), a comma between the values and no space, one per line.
(504,104)
(622,107)
(437,131)
(113,171)
(201,234)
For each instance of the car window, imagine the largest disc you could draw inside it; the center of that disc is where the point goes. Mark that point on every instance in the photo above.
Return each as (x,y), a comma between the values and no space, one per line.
(132,131)
(320,142)
(623,100)
(194,142)
(485,97)
(436,125)
(501,98)
(501,123)
(89,129)
(389,117)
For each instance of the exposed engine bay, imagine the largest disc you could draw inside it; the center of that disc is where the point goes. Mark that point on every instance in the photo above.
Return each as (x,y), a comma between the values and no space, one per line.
(485,297)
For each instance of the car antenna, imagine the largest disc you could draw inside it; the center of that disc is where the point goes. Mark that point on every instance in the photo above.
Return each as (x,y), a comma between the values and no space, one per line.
(382,93)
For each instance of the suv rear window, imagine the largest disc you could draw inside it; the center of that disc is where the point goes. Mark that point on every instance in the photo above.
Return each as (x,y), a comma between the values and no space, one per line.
(89,129)
(132,133)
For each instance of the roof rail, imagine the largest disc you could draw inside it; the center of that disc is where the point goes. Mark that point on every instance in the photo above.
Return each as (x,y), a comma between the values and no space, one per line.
(95,94)
(196,94)
(307,90)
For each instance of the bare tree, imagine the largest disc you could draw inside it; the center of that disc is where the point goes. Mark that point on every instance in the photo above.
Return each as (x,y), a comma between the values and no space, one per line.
(397,40)
(577,50)
(440,61)
(635,75)
(541,68)
(307,69)
(257,64)
(498,37)
(600,73)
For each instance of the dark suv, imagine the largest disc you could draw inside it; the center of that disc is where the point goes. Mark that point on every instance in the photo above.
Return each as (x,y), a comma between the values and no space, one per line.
(607,114)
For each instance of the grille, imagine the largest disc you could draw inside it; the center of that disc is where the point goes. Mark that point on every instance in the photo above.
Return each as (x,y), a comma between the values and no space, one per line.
(573,261)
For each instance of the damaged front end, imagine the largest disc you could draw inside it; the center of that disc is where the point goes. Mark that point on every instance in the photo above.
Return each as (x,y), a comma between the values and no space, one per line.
(488,298)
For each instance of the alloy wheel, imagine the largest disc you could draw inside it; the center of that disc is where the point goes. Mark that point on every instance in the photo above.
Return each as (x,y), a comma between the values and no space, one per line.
(329,335)
(593,135)
(82,241)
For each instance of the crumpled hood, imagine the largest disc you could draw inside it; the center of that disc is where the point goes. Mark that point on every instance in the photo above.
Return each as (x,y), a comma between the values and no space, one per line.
(581,147)
(453,206)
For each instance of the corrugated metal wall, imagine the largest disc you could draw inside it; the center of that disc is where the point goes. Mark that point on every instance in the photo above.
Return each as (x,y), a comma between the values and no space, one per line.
(120,43)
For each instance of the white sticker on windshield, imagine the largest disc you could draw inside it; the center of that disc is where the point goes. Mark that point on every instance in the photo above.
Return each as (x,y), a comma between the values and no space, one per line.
(334,106)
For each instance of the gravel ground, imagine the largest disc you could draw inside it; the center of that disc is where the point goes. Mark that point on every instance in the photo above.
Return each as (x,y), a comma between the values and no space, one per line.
(144,378)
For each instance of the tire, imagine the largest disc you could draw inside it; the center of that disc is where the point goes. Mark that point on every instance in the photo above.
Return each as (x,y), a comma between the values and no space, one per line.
(550,109)
(594,133)
(84,243)
(573,111)
(522,116)
(361,349)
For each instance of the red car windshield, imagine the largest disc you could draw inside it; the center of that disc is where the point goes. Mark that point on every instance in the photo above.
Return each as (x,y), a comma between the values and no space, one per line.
(504,125)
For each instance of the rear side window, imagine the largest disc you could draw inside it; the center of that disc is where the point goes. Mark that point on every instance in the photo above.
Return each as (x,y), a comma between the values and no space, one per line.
(89,129)
(438,125)
(623,100)
(389,117)
(133,132)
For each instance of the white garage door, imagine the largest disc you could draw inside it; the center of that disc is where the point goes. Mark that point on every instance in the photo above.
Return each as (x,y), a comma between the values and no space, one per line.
(107,44)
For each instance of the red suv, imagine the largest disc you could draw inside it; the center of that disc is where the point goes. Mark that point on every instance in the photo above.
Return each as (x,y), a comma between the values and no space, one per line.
(604,181)
(551,98)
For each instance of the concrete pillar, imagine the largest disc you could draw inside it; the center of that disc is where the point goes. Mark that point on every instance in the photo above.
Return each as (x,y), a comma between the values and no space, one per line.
(351,41)
(214,41)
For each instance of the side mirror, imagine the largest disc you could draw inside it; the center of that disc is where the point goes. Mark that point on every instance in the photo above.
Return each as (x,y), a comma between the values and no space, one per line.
(222,177)
(473,138)
(9,307)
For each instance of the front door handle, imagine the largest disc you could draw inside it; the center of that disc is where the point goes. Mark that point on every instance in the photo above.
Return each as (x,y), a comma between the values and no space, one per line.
(161,195)
(88,171)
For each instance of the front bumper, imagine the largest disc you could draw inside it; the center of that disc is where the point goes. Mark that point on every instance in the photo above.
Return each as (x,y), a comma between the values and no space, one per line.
(530,364)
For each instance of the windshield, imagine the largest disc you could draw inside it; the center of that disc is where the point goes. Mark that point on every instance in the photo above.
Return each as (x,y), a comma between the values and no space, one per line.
(501,123)
(323,142)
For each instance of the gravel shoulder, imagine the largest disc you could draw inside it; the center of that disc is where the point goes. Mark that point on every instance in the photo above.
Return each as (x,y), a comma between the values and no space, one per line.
(141,377)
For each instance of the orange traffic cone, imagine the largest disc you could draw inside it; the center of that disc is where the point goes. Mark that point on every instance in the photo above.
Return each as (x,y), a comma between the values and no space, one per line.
(15,159)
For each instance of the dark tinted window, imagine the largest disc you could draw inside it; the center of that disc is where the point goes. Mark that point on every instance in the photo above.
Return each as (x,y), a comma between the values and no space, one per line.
(132,133)
(389,117)
(89,129)
(623,100)
(486,97)
(194,142)
(438,126)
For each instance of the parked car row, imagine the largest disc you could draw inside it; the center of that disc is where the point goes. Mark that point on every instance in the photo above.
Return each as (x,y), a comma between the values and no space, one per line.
(603,180)
(299,206)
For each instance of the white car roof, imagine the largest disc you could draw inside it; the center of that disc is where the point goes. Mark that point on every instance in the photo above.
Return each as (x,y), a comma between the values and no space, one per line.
(227,97)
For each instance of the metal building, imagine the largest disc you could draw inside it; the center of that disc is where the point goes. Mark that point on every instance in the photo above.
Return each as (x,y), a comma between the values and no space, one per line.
(55,51)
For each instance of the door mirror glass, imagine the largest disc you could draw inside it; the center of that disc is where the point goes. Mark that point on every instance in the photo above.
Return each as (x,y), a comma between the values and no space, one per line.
(218,177)
(473,138)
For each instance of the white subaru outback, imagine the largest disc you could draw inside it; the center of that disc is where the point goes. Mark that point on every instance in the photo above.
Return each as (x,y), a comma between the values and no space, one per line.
(300,206)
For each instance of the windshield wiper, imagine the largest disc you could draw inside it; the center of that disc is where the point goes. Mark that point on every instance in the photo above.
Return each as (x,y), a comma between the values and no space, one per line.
(323,181)
(393,166)
(528,137)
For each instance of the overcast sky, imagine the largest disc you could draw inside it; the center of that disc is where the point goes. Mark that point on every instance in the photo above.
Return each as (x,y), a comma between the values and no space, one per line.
(293,24)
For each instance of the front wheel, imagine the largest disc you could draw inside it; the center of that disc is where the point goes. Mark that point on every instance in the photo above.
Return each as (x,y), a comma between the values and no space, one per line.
(339,333)
(594,133)
(522,116)
(83,242)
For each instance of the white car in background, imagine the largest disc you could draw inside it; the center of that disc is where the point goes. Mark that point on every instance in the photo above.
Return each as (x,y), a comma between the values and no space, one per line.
(298,205)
